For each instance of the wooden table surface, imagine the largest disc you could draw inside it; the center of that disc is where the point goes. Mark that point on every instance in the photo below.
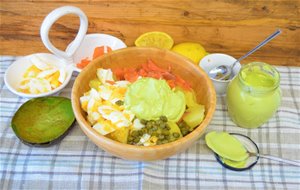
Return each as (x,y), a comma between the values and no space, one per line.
(226,26)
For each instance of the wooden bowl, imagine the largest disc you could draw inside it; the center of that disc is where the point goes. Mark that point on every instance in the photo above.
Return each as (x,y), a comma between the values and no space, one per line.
(133,57)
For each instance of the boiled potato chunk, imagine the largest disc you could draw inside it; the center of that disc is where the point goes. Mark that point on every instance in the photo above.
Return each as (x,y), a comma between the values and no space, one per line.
(190,97)
(174,129)
(194,116)
(120,135)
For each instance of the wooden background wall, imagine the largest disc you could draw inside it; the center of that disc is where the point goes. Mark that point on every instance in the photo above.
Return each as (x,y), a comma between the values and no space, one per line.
(226,26)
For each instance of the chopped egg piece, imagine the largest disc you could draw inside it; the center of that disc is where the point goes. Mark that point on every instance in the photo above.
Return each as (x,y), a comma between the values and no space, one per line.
(105,75)
(62,75)
(41,77)
(137,125)
(39,63)
(103,129)
(104,114)
(151,141)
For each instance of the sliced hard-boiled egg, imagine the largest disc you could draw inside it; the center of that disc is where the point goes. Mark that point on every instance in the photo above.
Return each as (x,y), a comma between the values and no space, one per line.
(39,63)
(104,114)
(41,76)
(105,75)
(105,92)
(147,140)
(36,86)
(122,83)
(62,75)
(103,128)
(151,141)
(32,71)
(46,73)
(144,139)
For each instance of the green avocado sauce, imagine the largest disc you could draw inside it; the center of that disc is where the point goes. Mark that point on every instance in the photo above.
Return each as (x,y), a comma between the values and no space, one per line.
(226,146)
(257,78)
(253,96)
(149,98)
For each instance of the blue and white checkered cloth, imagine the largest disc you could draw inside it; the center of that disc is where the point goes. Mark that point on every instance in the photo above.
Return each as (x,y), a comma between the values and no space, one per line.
(77,163)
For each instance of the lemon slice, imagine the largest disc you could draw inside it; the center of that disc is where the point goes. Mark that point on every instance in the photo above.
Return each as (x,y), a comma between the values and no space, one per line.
(155,39)
(193,51)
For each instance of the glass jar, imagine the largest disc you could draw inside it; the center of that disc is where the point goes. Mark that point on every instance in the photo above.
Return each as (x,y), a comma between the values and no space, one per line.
(253,96)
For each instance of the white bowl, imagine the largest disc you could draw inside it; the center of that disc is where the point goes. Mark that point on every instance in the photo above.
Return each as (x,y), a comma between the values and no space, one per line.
(15,72)
(213,60)
(91,41)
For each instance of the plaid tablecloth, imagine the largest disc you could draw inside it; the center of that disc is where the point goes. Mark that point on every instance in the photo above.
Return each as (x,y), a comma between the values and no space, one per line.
(76,163)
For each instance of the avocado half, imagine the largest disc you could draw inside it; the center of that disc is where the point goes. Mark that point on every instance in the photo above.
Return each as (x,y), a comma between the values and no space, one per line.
(43,121)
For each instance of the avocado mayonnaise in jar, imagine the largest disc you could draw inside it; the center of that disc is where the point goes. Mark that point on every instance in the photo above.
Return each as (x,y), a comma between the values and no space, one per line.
(254,95)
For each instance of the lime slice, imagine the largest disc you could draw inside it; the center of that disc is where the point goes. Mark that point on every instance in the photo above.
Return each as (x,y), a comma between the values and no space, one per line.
(193,51)
(155,39)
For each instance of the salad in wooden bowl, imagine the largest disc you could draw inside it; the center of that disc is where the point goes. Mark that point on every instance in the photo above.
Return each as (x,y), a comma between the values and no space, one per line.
(143,103)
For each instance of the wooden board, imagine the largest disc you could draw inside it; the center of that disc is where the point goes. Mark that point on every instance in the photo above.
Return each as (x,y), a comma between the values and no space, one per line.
(226,26)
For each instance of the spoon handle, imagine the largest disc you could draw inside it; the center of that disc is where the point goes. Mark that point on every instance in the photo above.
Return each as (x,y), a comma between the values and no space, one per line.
(276,33)
(292,162)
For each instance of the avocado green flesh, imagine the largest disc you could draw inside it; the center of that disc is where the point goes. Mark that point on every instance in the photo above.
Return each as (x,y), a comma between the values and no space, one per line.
(42,120)
(226,146)
(149,98)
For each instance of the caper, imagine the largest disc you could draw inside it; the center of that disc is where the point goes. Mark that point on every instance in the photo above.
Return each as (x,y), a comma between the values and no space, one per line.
(165,132)
(182,124)
(153,122)
(136,140)
(119,103)
(165,141)
(148,124)
(157,122)
(176,135)
(154,128)
(162,125)
(184,131)
(143,121)
(144,130)
(161,137)
(140,132)
(134,133)
(167,137)
(154,134)
(163,118)
(168,127)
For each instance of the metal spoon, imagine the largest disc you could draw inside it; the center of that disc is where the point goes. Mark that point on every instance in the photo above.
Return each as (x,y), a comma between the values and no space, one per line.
(291,162)
(224,72)
(253,155)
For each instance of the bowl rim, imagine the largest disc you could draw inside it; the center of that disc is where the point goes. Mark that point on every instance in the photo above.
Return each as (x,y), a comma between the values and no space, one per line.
(194,135)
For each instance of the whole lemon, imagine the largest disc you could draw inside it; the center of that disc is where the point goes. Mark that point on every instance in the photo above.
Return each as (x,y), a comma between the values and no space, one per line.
(193,51)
